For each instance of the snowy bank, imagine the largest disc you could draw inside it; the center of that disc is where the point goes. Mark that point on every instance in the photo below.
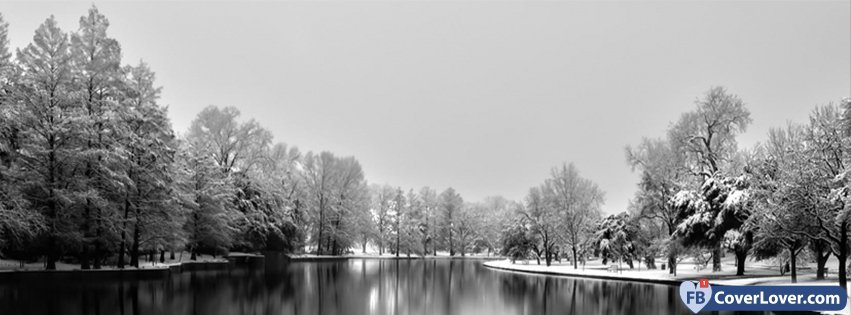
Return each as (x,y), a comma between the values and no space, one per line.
(598,271)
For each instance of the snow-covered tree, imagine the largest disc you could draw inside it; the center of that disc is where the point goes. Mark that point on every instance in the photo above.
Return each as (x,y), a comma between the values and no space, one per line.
(279,174)
(206,194)
(234,145)
(517,242)
(47,143)
(428,224)
(18,223)
(545,224)
(398,213)
(706,140)
(466,224)
(381,204)
(495,214)
(577,201)
(826,154)
(661,176)
(96,69)
(335,189)
(431,209)
(412,224)
(150,214)
(450,205)
(616,237)
(720,206)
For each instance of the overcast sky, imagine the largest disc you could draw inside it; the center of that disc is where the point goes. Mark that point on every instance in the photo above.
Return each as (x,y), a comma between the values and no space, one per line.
(482,96)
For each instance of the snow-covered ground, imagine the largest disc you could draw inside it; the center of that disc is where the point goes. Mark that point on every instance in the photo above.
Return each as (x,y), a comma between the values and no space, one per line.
(755,274)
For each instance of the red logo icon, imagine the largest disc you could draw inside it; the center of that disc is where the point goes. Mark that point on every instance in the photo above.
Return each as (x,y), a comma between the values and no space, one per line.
(704,283)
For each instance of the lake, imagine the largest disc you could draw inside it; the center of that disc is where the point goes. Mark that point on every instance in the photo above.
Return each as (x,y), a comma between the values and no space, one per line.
(355,286)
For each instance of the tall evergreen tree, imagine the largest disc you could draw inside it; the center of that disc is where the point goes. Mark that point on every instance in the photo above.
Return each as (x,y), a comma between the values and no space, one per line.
(96,71)
(49,138)
(18,223)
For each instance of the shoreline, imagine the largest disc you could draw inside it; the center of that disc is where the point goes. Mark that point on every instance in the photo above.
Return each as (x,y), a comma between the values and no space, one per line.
(671,282)
(655,278)
(308,258)
(145,271)
(154,272)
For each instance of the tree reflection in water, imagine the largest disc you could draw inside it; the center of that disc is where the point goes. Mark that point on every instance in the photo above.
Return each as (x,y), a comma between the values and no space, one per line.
(357,286)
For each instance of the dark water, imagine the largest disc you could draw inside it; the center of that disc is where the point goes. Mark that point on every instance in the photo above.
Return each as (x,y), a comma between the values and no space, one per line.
(342,287)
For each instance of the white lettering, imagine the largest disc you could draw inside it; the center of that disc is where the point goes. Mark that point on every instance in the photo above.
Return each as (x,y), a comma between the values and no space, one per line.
(717,300)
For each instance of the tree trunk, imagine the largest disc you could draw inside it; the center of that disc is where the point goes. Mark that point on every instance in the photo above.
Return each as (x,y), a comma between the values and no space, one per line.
(537,252)
(122,247)
(575,266)
(398,236)
(793,256)
(434,236)
(821,261)
(321,224)
(171,256)
(52,254)
(650,262)
(96,260)
(672,250)
(672,263)
(843,254)
(52,250)
(451,247)
(547,257)
(134,250)
(98,234)
(741,256)
(84,255)
(716,258)
(434,247)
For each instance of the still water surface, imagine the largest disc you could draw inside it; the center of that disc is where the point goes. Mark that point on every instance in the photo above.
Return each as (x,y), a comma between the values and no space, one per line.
(358,286)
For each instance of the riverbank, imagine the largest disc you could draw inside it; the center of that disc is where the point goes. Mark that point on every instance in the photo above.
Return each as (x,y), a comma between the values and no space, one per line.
(754,275)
